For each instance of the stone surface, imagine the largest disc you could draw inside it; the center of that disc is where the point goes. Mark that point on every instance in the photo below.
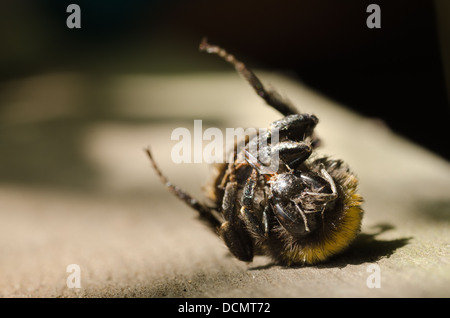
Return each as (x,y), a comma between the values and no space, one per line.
(77,188)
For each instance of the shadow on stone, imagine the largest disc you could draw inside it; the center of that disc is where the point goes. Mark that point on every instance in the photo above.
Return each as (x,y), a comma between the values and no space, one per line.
(365,249)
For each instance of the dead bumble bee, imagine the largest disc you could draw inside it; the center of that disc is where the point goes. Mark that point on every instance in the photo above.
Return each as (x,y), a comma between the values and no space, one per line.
(301,214)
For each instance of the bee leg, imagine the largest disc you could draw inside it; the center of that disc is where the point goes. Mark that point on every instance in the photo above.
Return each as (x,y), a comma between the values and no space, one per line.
(265,220)
(238,242)
(330,180)
(296,127)
(290,137)
(326,196)
(292,153)
(270,97)
(206,213)
(232,231)
(247,215)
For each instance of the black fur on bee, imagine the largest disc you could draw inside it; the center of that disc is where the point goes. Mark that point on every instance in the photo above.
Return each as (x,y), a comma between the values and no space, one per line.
(302,214)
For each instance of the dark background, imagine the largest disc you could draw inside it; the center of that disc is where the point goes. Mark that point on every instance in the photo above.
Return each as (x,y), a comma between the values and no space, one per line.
(395,73)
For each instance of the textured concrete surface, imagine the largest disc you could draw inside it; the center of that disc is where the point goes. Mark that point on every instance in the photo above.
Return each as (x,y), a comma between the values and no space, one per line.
(77,188)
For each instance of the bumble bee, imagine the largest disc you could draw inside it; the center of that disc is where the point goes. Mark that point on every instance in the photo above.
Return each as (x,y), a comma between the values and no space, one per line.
(301,214)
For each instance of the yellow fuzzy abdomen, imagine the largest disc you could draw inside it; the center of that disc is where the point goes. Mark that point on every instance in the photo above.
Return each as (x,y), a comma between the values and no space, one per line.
(333,242)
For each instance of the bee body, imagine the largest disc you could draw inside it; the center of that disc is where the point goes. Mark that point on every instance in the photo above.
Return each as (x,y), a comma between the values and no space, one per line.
(301,213)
